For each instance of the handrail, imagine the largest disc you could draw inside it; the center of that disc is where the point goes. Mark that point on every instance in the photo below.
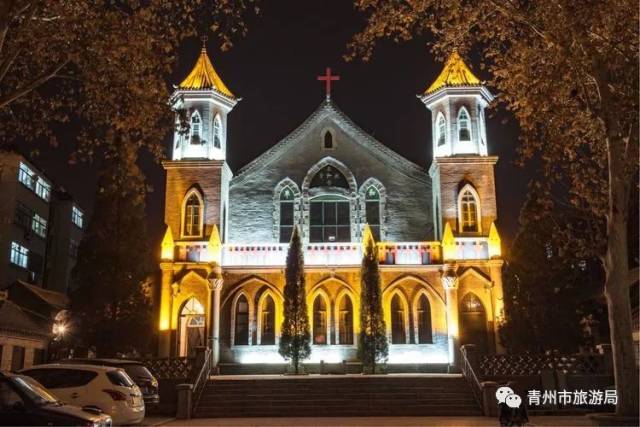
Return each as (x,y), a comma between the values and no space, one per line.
(203,376)
(471,377)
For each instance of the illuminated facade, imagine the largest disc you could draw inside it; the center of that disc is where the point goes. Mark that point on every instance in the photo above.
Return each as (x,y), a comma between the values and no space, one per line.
(223,254)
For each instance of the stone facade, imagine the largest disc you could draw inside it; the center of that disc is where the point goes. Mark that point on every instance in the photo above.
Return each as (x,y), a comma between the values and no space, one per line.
(439,249)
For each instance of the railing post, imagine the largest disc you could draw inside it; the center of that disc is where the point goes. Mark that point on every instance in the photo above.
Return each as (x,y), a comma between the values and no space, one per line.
(185,401)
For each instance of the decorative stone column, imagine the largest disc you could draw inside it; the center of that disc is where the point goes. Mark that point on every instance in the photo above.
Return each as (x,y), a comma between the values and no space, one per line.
(215,285)
(450,284)
(165,314)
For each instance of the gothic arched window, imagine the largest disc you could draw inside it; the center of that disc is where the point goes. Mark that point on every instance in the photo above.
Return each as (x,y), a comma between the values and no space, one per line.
(286,214)
(196,128)
(441,130)
(468,210)
(241,333)
(192,215)
(320,321)
(398,331)
(423,314)
(345,321)
(372,205)
(217,132)
(328,141)
(464,133)
(268,321)
(329,176)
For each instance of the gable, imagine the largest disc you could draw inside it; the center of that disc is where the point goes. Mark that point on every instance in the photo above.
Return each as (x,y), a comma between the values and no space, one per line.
(355,158)
(329,117)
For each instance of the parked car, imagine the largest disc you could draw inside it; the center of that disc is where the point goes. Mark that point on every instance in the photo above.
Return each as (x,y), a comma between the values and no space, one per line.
(102,387)
(25,402)
(136,370)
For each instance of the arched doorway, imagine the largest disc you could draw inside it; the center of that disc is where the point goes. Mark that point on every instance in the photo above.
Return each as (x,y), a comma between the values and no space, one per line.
(345,321)
(268,321)
(192,323)
(473,322)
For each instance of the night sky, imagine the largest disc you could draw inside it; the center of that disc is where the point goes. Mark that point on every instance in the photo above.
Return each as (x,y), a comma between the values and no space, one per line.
(274,71)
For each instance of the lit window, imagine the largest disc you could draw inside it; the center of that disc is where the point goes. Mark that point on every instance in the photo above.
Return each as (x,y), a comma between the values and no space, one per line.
(468,211)
(286,215)
(196,129)
(19,255)
(26,176)
(398,331)
(319,321)
(268,320)
(192,216)
(77,216)
(39,225)
(345,321)
(43,190)
(442,130)
(372,204)
(424,321)
(217,132)
(463,125)
(241,333)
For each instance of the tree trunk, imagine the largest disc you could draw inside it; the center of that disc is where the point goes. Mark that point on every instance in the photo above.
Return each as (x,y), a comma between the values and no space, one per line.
(616,266)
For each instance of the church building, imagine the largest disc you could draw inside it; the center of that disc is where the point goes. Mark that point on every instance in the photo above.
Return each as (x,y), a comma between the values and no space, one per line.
(225,246)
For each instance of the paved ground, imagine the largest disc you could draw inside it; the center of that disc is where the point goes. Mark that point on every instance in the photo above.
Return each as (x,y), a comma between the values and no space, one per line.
(559,421)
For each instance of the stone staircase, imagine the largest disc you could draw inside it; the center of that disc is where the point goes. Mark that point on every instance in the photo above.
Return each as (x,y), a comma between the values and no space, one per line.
(337,396)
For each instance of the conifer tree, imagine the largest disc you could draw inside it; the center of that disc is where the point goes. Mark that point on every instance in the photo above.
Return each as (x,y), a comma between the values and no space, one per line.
(110,304)
(373,347)
(295,342)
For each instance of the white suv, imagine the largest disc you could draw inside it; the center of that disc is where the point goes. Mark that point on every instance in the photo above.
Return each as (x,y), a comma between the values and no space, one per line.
(106,388)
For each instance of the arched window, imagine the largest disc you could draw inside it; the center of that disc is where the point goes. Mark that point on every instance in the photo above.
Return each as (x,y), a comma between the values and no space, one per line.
(191,327)
(217,132)
(471,304)
(468,201)
(192,215)
(196,128)
(424,320)
(320,321)
(345,321)
(241,333)
(268,321)
(329,176)
(398,332)
(464,133)
(372,204)
(286,214)
(441,134)
(328,141)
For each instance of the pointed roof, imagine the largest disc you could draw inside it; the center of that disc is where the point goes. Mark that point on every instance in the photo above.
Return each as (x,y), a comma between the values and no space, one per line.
(204,76)
(454,73)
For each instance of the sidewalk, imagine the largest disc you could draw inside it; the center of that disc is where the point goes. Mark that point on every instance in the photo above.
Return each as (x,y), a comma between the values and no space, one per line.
(559,421)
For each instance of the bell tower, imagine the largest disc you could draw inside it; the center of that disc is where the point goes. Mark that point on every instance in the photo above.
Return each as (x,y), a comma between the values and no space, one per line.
(462,171)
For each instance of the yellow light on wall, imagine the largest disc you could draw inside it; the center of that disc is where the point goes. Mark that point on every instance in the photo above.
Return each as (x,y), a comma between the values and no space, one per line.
(495,249)
(165,316)
(448,243)
(167,246)
(214,246)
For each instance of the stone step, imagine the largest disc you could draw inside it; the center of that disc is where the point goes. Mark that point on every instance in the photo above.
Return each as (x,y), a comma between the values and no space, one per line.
(337,396)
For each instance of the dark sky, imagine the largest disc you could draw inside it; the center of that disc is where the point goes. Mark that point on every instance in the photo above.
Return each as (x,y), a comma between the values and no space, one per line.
(274,71)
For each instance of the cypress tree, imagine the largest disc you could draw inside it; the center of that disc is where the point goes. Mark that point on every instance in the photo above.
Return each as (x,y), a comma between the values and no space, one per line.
(295,342)
(373,347)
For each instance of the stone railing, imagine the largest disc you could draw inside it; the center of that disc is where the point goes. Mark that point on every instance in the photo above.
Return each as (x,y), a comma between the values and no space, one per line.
(330,254)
